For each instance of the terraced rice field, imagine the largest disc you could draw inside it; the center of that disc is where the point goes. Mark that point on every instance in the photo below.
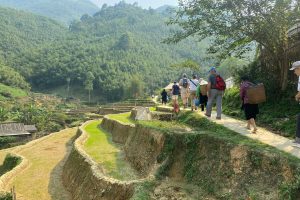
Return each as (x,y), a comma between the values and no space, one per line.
(42,178)
(100,147)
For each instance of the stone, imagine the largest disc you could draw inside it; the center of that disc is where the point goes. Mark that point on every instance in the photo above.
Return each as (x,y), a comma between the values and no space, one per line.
(143,113)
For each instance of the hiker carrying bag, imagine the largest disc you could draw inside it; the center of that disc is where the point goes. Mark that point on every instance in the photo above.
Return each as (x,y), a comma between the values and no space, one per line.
(220,83)
(185,82)
(203,89)
(256,94)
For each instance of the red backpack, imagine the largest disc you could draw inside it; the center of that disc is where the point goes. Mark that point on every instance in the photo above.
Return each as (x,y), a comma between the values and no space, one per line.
(220,83)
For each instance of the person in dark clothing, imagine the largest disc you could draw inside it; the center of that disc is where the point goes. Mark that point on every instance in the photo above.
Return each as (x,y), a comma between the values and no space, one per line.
(164,97)
(175,95)
(251,110)
(202,95)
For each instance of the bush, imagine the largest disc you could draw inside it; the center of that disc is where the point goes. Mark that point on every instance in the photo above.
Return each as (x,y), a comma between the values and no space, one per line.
(5,142)
(5,196)
(53,127)
(9,163)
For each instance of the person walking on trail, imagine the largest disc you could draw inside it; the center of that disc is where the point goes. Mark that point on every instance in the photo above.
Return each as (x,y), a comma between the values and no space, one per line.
(215,90)
(175,94)
(296,68)
(202,93)
(184,87)
(251,110)
(193,88)
(164,97)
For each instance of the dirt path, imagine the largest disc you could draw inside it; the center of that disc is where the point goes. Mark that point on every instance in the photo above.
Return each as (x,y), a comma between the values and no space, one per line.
(42,178)
(262,134)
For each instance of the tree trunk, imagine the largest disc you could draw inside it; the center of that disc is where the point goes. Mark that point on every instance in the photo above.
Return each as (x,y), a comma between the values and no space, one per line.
(89,96)
(284,69)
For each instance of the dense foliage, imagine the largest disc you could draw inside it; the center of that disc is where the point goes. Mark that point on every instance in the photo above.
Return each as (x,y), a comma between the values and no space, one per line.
(114,45)
(10,77)
(21,33)
(62,10)
(236,24)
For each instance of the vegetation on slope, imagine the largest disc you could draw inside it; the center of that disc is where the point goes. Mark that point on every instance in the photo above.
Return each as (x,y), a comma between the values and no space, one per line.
(118,44)
(21,33)
(63,10)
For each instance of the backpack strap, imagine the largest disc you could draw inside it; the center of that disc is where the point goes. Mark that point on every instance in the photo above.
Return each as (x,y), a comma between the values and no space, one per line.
(193,82)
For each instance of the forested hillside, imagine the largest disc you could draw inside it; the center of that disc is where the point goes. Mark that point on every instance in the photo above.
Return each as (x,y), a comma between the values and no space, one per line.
(61,10)
(21,33)
(101,53)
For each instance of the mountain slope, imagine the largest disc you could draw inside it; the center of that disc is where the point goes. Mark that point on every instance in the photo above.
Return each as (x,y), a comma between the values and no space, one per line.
(61,10)
(103,53)
(116,44)
(22,33)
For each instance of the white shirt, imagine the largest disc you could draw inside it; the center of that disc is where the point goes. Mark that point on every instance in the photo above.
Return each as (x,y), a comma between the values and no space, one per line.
(299,84)
(194,87)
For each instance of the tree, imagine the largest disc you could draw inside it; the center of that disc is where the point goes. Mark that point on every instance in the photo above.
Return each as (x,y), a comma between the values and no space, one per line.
(88,83)
(68,79)
(188,64)
(136,87)
(233,25)
(124,42)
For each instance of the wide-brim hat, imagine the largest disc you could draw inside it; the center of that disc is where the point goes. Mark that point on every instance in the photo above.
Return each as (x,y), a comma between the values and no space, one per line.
(295,65)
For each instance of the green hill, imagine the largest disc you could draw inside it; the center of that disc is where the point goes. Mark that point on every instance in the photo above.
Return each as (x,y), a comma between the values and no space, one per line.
(61,10)
(115,44)
(102,53)
(22,33)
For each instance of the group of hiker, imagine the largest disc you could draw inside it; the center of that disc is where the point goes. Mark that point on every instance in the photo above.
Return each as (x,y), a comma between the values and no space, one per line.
(204,94)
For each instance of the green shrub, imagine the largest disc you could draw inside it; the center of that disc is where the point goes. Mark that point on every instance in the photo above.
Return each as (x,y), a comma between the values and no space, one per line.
(9,163)
(6,196)
(5,142)
(53,127)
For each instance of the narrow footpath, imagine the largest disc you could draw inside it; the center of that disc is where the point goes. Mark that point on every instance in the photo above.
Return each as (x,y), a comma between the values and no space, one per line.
(263,135)
(42,178)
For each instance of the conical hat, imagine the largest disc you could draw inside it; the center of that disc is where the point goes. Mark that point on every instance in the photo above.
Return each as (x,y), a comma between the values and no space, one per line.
(203,82)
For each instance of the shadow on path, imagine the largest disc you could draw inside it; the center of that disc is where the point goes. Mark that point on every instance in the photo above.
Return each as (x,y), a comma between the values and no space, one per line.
(56,188)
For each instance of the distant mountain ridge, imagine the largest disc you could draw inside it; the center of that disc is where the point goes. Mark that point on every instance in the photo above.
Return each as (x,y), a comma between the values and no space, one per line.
(62,10)
(116,45)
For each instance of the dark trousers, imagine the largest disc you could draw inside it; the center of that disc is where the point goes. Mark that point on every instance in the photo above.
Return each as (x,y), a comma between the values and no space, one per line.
(298,126)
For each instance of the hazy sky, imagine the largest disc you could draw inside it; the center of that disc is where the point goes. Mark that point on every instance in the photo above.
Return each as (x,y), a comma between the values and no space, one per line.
(142,3)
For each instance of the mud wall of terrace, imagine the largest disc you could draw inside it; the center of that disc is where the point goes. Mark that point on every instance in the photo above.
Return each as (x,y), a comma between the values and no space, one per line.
(119,131)
(222,166)
(142,146)
(218,165)
(85,180)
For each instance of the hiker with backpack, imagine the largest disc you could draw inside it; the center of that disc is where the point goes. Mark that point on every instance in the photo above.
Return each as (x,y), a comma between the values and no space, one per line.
(215,91)
(175,94)
(202,93)
(250,109)
(296,68)
(184,88)
(193,88)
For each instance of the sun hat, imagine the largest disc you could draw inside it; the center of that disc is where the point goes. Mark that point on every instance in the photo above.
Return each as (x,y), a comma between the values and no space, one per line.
(295,65)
